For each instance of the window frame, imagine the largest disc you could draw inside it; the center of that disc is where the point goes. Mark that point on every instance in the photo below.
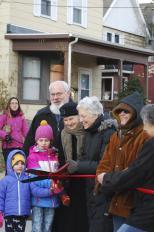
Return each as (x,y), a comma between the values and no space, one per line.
(113,34)
(80,9)
(109,34)
(112,88)
(53,11)
(45,15)
(80,72)
(70,11)
(44,79)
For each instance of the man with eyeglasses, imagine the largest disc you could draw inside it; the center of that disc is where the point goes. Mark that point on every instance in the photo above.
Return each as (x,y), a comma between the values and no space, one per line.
(59,95)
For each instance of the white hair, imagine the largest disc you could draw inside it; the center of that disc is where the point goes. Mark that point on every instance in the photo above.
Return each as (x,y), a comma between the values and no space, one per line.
(91,104)
(147,114)
(63,83)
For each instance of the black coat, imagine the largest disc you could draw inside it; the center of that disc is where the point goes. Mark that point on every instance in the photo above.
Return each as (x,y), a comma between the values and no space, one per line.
(96,139)
(139,174)
(44,114)
(74,217)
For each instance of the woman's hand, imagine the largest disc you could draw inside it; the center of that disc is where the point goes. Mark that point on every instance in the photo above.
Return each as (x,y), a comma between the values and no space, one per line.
(100,177)
(56,187)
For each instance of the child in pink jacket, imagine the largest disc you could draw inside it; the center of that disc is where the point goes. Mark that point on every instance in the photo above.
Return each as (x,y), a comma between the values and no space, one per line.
(42,156)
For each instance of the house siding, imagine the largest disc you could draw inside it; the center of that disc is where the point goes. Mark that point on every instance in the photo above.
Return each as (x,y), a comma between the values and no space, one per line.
(131,39)
(125,38)
(20,12)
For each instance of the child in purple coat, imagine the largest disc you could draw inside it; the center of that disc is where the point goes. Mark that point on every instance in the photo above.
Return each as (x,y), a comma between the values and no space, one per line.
(15,196)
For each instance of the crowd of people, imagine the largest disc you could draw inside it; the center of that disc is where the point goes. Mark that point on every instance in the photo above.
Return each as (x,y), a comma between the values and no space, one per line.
(117,149)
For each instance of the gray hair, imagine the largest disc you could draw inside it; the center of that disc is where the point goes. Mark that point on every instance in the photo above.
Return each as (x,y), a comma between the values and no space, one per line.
(91,104)
(63,83)
(147,114)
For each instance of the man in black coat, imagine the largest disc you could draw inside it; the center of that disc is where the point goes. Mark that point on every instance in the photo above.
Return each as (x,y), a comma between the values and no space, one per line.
(59,95)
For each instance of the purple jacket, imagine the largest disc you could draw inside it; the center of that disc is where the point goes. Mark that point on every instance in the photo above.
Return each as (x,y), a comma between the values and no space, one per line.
(18,130)
(15,196)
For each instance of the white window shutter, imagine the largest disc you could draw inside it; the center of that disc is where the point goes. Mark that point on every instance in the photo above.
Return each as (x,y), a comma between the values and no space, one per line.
(54,9)
(69,11)
(37,7)
(84,13)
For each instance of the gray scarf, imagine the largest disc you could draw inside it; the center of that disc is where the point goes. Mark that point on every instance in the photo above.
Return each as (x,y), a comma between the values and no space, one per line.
(66,137)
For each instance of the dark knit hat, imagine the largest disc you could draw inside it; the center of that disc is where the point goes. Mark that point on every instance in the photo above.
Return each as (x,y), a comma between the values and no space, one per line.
(68,109)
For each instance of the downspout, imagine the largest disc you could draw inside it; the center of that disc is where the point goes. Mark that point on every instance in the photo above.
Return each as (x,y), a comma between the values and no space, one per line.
(70,60)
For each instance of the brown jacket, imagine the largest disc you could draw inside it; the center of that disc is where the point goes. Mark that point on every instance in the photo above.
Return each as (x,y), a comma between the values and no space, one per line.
(119,154)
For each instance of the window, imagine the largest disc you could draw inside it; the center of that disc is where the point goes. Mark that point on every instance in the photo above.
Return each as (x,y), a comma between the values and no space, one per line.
(77,12)
(84,83)
(31,78)
(107,88)
(45,8)
(109,37)
(116,38)
(113,37)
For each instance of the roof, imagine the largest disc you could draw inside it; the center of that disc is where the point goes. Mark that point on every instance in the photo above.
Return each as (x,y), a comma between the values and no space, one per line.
(69,36)
(122,10)
(106,5)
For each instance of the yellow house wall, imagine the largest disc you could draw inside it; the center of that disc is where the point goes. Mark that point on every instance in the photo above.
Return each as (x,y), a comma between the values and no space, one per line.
(4,45)
(23,10)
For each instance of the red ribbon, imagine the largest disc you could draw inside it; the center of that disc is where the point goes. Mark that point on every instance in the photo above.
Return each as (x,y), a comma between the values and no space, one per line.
(68,176)
(146,191)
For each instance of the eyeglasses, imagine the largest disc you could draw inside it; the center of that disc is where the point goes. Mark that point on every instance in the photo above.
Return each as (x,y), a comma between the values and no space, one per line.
(59,94)
(123,110)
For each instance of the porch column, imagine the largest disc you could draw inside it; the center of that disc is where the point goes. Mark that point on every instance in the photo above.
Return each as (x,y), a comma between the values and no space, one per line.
(120,73)
(146,81)
(66,66)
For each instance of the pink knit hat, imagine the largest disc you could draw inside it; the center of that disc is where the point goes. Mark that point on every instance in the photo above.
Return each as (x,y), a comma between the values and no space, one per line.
(44,131)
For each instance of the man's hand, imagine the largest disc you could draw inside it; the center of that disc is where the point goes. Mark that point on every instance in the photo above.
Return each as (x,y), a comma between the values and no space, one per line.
(72,166)
(100,177)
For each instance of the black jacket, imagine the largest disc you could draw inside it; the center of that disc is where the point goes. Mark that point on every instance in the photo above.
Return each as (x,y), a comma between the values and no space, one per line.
(44,114)
(139,174)
(96,139)
(74,217)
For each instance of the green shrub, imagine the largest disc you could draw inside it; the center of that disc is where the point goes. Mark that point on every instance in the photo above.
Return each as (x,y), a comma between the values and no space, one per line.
(130,86)
(4,95)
